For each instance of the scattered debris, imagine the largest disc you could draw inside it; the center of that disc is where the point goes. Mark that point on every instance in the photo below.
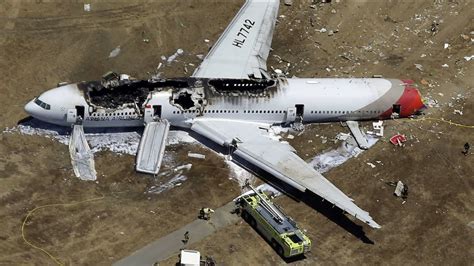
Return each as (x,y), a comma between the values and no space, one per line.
(419,67)
(446,45)
(288,2)
(115,52)
(401,190)
(196,155)
(206,41)
(469,58)
(342,136)
(434,27)
(87,7)
(459,112)
(445,66)
(371,165)
(424,82)
(398,139)
(176,181)
(290,136)
(378,129)
(174,56)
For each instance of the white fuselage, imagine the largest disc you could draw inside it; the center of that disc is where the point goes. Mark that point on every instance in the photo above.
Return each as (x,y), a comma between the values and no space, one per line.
(314,100)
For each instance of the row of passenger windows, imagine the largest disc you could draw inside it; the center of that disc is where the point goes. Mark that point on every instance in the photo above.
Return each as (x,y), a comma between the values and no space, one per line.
(112,114)
(345,112)
(270,112)
(233,112)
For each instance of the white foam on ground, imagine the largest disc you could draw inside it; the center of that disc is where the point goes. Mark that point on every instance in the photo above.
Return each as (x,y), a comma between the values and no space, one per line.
(333,158)
(116,142)
(239,174)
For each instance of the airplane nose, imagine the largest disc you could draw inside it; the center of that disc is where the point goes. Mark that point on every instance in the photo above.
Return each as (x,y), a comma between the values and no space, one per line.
(30,108)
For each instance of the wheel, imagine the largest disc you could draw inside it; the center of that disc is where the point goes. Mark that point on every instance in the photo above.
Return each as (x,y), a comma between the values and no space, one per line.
(279,250)
(245,215)
(274,243)
(252,222)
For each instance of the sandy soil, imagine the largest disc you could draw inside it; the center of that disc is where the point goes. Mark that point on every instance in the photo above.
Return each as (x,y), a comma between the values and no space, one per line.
(43,43)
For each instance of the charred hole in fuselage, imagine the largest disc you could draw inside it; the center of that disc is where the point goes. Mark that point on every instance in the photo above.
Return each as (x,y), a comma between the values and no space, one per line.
(184,100)
(116,96)
(133,92)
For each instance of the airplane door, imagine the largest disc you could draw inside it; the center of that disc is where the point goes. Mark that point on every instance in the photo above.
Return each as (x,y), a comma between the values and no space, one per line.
(151,112)
(71,115)
(299,110)
(157,110)
(290,114)
(148,116)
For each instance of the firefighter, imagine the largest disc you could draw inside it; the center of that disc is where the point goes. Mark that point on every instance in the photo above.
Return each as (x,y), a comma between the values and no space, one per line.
(186,237)
(205,213)
(466,149)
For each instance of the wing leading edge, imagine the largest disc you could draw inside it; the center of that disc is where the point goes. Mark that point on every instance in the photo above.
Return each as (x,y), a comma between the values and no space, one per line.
(242,50)
(277,158)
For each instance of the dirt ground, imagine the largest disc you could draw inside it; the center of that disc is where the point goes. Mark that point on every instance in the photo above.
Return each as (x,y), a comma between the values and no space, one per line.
(42,43)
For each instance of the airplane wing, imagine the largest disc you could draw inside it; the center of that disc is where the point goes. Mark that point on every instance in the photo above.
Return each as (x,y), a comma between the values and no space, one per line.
(255,145)
(242,50)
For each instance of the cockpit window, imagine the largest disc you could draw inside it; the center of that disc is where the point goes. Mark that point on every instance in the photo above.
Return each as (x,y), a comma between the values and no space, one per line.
(42,104)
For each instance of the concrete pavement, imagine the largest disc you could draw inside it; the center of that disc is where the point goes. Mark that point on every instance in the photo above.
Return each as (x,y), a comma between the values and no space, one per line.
(171,244)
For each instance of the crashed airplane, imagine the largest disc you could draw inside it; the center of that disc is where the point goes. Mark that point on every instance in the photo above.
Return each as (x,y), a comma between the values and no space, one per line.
(231,100)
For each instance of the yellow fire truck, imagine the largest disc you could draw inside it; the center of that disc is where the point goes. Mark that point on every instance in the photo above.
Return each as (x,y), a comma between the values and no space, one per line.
(278,229)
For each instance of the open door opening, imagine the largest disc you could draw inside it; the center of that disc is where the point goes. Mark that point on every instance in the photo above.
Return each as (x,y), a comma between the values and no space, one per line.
(80,111)
(157,111)
(299,110)
(298,124)
(396,108)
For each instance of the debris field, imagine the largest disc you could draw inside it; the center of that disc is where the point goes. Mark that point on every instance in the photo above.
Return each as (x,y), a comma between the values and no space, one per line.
(102,221)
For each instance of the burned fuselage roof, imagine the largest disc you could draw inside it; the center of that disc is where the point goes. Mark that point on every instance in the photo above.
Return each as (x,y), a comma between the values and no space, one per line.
(126,92)
(136,92)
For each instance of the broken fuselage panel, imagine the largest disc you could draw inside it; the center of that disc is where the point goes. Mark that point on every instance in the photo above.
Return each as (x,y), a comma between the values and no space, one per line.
(128,99)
